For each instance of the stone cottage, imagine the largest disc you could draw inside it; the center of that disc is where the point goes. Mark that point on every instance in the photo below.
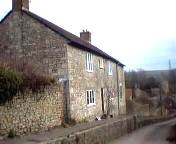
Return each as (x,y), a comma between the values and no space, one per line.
(94,81)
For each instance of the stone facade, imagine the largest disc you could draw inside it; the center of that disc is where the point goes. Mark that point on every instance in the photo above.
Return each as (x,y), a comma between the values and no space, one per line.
(122,99)
(80,80)
(30,112)
(25,37)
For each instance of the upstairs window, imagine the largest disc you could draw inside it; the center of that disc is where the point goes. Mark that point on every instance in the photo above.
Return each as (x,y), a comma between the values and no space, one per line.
(101,64)
(89,62)
(110,68)
(90,96)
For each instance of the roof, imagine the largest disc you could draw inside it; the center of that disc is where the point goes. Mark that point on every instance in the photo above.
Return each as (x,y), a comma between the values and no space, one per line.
(72,39)
(2,20)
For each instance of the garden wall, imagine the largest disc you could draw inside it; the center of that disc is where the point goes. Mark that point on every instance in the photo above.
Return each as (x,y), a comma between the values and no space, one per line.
(31,112)
(106,132)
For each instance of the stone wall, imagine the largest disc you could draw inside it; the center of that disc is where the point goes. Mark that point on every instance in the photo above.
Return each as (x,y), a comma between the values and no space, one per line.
(44,46)
(106,132)
(30,112)
(25,39)
(122,99)
(10,36)
(101,134)
(80,80)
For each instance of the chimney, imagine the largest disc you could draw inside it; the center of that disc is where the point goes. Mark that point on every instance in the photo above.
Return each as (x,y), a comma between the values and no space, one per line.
(85,35)
(17,5)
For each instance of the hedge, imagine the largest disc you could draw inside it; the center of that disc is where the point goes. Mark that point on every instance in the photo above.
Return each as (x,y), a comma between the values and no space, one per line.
(10,83)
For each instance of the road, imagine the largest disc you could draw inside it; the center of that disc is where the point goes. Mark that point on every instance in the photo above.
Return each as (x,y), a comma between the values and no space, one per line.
(153,134)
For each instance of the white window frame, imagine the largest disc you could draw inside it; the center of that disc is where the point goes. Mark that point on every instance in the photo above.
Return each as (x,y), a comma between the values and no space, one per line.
(89,62)
(90,97)
(110,68)
(101,63)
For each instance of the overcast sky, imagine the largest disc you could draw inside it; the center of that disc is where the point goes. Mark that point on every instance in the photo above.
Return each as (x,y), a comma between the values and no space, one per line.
(139,33)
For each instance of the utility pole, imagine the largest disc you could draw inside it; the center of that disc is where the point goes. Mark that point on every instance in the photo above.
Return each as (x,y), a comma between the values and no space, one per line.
(161,99)
(170,78)
(170,67)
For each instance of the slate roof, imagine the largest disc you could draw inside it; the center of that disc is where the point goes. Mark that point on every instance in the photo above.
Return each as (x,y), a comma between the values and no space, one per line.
(72,39)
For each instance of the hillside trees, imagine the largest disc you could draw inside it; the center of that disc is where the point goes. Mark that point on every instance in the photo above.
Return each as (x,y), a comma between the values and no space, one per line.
(172,81)
(138,79)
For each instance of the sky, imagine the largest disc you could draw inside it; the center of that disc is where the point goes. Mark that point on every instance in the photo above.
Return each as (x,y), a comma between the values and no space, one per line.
(139,33)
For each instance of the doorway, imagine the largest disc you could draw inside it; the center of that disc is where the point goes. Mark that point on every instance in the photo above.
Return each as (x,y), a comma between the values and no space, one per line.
(102,100)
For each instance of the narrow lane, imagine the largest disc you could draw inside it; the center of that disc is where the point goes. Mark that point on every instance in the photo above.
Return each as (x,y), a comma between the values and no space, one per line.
(153,134)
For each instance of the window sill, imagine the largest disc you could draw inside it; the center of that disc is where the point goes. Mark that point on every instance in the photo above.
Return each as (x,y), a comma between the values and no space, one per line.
(89,71)
(92,104)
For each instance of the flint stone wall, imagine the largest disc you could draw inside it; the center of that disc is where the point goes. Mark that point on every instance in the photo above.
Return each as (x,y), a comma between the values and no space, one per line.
(32,112)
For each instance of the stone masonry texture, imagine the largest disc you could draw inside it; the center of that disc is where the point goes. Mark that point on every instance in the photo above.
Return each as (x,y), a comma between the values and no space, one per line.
(80,80)
(107,132)
(30,113)
(24,38)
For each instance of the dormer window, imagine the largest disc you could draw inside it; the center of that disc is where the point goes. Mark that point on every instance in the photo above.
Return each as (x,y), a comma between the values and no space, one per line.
(89,62)
(110,68)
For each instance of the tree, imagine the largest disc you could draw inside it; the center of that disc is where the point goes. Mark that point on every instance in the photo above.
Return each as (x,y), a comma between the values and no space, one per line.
(172,81)
(131,79)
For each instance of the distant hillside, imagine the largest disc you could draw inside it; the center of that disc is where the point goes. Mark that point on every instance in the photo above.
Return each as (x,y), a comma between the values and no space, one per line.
(157,73)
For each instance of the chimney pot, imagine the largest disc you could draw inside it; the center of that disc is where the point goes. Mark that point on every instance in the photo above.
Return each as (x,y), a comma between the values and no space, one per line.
(85,35)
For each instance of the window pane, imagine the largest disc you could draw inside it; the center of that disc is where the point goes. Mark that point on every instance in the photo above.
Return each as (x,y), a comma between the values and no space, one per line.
(90,97)
(93,97)
(87,97)
(89,62)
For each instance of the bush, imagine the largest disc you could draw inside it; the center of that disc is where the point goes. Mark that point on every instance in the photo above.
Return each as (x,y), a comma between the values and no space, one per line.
(34,78)
(36,82)
(10,83)
(21,76)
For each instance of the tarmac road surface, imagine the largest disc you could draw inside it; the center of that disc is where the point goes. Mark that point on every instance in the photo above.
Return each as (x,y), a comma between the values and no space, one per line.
(153,134)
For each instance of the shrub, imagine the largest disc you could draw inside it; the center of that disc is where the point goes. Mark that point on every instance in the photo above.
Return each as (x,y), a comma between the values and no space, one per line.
(33,77)
(20,76)
(10,83)
(36,82)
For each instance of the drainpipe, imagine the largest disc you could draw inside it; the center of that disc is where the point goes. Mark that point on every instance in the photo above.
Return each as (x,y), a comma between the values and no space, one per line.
(118,89)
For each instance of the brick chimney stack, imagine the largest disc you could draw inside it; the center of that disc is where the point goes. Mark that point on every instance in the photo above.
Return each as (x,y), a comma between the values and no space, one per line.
(85,35)
(17,5)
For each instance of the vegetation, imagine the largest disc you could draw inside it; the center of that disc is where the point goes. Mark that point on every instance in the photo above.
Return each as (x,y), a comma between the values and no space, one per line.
(141,80)
(146,81)
(10,83)
(172,81)
(20,77)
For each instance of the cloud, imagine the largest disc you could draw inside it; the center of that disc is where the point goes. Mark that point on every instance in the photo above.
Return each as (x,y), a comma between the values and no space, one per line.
(137,32)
